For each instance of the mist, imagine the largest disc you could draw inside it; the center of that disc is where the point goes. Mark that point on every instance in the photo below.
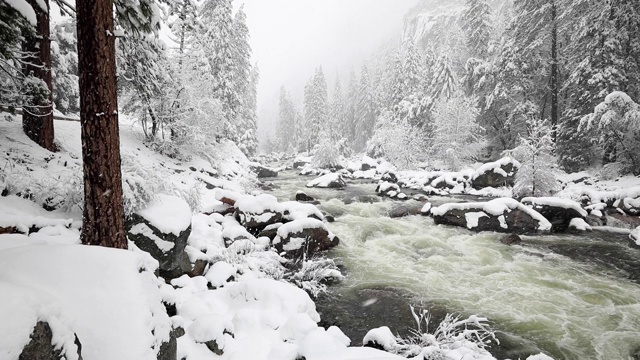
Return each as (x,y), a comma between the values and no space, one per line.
(290,38)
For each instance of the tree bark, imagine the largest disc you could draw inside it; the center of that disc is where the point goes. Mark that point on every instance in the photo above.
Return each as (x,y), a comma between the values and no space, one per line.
(103,218)
(37,115)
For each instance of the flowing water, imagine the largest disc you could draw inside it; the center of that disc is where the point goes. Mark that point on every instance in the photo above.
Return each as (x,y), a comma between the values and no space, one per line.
(573,297)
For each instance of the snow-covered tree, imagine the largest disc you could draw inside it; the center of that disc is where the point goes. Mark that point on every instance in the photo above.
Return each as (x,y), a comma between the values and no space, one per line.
(535,177)
(64,57)
(617,120)
(457,137)
(316,108)
(337,125)
(443,83)
(397,141)
(365,115)
(476,23)
(287,127)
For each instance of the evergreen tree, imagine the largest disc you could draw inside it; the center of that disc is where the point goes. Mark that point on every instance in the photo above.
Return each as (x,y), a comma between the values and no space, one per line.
(351,105)
(443,83)
(606,54)
(287,128)
(476,23)
(337,126)
(64,58)
(365,116)
(315,107)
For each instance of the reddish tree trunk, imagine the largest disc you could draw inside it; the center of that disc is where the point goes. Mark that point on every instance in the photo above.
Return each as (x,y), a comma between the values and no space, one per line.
(37,116)
(103,218)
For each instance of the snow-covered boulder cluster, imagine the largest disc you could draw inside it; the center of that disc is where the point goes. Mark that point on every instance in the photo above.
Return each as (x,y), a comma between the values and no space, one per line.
(330,180)
(496,174)
(501,215)
(294,229)
(562,213)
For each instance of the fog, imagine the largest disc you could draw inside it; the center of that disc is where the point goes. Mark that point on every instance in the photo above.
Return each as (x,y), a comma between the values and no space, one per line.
(290,38)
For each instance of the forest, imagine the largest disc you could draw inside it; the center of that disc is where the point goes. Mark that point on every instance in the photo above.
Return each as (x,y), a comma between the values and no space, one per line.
(278,180)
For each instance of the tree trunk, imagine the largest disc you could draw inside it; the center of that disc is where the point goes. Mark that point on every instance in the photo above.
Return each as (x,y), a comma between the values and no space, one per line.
(37,115)
(103,218)
(554,70)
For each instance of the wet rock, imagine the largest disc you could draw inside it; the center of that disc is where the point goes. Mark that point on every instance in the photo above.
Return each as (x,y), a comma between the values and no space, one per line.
(304,237)
(168,249)
(329,218)
(622,221)
(256,222)
(300,196)
(405,210)
(388,189)
(389,177)
(40,345)
(499,215)
(595,220)
(512,239)
(559,212)
(169,349)
(270,231)
(264,172)
(496,174)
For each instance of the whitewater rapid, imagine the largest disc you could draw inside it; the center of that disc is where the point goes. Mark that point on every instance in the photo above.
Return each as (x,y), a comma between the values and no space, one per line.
(548,294)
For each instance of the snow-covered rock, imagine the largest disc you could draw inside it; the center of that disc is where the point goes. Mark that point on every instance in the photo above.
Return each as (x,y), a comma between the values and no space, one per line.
(386,188)
(579,224)
(162,230)
(109,298)
(301,161)
(256,212)
(500,215)
(304,236)
(495,174)
(560,212)
(635,236)
(380,338)
(331,180)
(263,171)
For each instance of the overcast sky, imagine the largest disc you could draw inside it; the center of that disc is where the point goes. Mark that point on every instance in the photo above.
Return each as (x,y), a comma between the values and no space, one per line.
(290,38)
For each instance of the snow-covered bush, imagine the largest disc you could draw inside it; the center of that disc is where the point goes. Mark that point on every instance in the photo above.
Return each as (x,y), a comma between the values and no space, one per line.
(313,275)
(457,137)
(454,335)
(618,121)
(141,183)
(536,174)
(326,154)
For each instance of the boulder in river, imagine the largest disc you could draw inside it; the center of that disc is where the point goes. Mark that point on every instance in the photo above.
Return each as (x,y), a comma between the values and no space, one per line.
(560,212)
(500,215)
(331,181)
(496,174)
(263,171)
(301,196)
(512,239)
(301,237)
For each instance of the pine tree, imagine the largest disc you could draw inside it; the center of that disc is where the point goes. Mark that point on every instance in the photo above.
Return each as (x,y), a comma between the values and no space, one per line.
(315,107)
(365,116)
(605,49)
(443,83)
(351,105)
(64,59)
(337,126)
(103,217)
(476,23)
(37,115)
(287,124)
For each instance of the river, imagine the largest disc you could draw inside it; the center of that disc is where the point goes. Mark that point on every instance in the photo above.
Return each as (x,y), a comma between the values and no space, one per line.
(572,297)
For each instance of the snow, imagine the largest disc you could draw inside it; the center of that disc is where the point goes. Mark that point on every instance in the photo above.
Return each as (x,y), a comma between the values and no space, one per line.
(325,180)
(555,202)
(381,336)
(426,208)
(111,290)
(579,224)
(635,235)
(219,273)
(143,229)
(495,207)
(24,214)
(169,214)
(496,167)
(473,217)
(23,7)
(262,203)
(540,356)
(297,226)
